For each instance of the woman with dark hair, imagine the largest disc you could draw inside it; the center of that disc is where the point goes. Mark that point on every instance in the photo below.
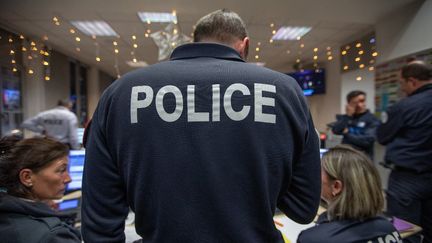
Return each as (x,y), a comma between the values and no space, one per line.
(33,171)
(351,187)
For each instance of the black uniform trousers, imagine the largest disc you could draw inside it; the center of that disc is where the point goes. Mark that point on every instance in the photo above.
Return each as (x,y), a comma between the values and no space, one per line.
(409,197)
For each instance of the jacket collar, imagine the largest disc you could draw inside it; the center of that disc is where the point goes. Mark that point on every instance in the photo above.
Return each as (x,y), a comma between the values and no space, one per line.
(422,89)
(193,50)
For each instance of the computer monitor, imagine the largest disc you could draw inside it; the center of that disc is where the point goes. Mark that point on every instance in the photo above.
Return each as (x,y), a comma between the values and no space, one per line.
(80,134)
(322,152)
(76,167)
(67,205)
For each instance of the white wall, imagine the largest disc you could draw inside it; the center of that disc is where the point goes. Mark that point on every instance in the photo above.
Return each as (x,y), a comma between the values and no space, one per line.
(367,84)
(324,107)
(405,32)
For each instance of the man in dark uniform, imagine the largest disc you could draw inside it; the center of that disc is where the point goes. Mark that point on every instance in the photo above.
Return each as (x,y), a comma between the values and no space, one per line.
(358,125)
(406,129)
(202,147)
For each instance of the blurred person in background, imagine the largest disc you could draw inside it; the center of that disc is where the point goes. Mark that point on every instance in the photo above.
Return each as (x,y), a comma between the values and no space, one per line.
(59,123)
(406,130)
(33,172)
(351,187)
(357,125)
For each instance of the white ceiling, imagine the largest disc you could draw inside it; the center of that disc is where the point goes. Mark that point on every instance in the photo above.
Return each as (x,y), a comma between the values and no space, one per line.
(333,22)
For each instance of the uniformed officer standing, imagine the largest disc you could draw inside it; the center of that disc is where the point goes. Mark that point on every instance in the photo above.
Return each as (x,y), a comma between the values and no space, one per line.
(202,147)
(58,123)
(406,129)
(357,125)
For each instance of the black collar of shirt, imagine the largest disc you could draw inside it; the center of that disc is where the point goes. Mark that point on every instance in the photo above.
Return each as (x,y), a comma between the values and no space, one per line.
(422,89)
(193,50)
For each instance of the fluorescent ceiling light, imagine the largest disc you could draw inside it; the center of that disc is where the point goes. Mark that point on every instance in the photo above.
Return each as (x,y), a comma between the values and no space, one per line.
(152,17)
(96,28)
(137,64)
(290,33)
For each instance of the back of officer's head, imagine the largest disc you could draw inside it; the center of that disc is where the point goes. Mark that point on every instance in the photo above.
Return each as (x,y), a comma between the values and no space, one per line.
(223,26)
(65,102)
(361,195)
(418,70)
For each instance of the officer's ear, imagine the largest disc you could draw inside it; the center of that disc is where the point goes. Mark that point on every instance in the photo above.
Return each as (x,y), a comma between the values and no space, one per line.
(242,47)
(336,187)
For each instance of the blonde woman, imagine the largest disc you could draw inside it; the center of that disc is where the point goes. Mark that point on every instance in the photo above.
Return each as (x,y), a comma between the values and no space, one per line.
(351,187)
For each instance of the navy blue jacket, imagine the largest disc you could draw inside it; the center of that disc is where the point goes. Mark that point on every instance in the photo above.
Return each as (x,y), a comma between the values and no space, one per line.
(374,230)
(202,148)
(33,222)
(361,130)
(407,131)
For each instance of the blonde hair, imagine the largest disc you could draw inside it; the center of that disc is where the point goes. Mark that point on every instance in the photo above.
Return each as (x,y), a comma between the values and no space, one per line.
(361,195)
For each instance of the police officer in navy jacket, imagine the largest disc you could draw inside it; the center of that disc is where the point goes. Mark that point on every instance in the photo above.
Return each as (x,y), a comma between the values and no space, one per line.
(407,133)
(357,125)
(202,147)
(351,186)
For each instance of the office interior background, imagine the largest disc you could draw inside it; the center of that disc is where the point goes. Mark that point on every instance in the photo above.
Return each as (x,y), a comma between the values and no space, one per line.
(50,50)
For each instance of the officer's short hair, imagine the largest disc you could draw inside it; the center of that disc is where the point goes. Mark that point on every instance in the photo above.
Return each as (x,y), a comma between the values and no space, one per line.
(223,26)
(418,70)
(64,102)
(351,95)
(361,196)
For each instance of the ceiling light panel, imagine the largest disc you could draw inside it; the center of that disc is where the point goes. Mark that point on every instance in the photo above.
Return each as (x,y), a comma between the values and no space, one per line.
(158,17)
(290,33)
(96,28)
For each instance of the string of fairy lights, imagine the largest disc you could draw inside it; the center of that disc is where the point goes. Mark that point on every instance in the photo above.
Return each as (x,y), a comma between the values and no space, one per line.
(353,56)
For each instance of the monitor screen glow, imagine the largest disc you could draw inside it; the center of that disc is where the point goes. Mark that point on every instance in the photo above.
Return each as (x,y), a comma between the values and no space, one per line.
(76,168)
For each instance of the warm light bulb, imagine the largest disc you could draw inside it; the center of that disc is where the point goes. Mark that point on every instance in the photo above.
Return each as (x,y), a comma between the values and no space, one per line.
(298,60)
(288,51)
(328,48)
(315,49)
(78,49)
(298,37)
(359,78)
(259,43)
(30,71)
(271,41)
(23,49)
(21,37)
(98,59)
(361,65)
(45,38)
(55,19)
(315,57)
(10,40)
(42,52)
(77,39)
(344,52)
(14,70)
(358,45)
(115,43)
(32,43)
(328,53)
(256,57)
(116,51)
(347,47)
(371,68)
(134,60)
(46,53)
(375,54)
(34,48)
(330,58)
(357,59)
(57,23)
(146,35)
(271,25)
(135,45)
(301,45)
(175,31)
(12,52)
(257,49)
(134,37)
(345,67)
(29,57)
(360,52)
(72,31)
(47,78)
(45,63)
(13,61)
(274,32)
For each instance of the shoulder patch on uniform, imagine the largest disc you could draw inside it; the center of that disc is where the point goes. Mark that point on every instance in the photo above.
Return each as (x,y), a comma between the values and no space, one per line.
(384,117)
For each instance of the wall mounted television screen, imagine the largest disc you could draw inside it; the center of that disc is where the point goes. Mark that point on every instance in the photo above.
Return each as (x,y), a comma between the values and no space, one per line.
(312,82)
